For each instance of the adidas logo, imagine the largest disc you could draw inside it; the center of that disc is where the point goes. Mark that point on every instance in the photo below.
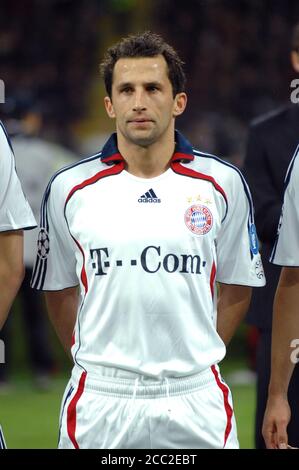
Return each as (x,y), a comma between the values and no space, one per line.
(149,196)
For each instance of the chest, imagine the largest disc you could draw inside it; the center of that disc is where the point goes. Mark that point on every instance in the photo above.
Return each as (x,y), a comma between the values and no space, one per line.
(124,210)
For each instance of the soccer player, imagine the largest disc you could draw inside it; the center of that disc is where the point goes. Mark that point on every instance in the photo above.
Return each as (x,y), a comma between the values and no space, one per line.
(285,331)
(15,216)
(146,228)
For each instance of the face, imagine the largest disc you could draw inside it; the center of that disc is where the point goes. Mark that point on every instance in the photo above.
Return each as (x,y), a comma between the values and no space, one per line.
(142,100)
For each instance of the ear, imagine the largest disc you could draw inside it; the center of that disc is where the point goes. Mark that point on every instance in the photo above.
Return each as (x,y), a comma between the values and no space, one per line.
(180,103)
(109,107)
(295,60)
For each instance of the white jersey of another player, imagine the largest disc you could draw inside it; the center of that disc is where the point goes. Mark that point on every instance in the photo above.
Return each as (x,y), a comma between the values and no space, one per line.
(286,248)
(147,254)
(15,212)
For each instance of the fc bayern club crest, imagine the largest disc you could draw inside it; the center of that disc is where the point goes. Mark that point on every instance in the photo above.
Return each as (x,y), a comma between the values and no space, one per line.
(43,247)
(199,219)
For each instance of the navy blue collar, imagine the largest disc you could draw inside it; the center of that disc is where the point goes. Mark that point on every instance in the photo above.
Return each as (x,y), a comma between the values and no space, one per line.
(183,149)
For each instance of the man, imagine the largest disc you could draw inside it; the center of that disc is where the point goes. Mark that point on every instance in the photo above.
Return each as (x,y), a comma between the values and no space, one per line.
(272,142)
(15,216)
(285,331)
(146,228)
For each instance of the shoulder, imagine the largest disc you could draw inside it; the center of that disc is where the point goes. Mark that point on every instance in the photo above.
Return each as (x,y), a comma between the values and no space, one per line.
(64,180)
(5,143)
(292,175)
(228,178)
(6,156)
(217,168)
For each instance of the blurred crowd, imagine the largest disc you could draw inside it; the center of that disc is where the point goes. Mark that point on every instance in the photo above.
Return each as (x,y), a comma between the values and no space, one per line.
(48,52)
(235,53)
(237,64)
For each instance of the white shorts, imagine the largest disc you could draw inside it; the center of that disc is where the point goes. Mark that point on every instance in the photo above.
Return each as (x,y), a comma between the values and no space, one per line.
(178,413)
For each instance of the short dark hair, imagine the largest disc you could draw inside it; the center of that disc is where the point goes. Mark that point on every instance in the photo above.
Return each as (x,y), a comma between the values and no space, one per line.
(146,44)
(295,38)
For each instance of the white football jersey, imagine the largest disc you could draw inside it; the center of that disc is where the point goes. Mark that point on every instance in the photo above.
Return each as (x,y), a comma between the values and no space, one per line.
(286,248)
(146,254)
(15,212)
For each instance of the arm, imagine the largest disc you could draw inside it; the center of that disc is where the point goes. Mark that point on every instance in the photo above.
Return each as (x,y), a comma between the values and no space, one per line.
(62,309)
(285,329)
(11,269)
(232,306)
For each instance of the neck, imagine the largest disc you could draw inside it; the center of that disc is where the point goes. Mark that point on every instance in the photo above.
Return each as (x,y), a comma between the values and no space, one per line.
(147,162)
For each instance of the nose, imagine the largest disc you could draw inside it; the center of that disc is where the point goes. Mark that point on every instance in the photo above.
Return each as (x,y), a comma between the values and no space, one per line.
(139,104)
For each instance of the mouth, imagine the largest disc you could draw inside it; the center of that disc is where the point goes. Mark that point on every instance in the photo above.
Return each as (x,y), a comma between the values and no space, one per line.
(140,120)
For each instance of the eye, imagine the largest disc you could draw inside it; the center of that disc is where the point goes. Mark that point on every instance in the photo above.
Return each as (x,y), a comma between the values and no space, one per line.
(126,90)
(152,88)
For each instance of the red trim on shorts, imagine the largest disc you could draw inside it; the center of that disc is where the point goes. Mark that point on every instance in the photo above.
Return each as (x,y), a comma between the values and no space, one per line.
(71,411)
(212,278)
(73,339)
(228,408)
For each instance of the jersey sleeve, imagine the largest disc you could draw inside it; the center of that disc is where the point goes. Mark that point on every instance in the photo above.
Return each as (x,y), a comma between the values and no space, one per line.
(55,266)
(238,258)
(15,212)
(286,248)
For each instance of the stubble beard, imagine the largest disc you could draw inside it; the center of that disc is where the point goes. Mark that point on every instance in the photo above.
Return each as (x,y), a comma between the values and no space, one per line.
(143,140)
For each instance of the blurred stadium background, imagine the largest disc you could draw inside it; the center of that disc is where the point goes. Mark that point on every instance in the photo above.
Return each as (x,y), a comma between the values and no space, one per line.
(237,63)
